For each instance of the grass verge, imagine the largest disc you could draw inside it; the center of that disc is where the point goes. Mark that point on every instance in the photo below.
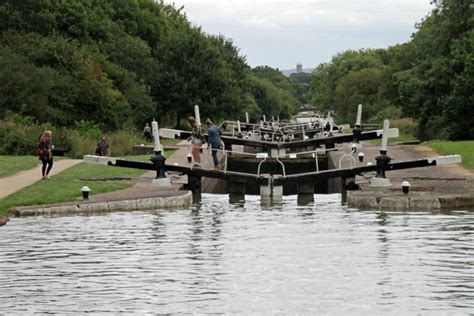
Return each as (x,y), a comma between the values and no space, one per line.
(65,187)
(13,164)
(463,148)
(402,138)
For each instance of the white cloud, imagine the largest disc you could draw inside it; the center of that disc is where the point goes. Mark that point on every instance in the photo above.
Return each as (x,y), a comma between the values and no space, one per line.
(303,26)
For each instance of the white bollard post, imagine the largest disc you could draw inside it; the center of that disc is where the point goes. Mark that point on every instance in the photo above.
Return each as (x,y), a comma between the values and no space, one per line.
(156,135)
(197,115)
(386,125)
(264,118)
(246,117)
(359,115)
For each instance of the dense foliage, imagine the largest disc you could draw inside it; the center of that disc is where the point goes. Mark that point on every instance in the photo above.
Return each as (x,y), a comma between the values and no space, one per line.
(429,78)
(119,63)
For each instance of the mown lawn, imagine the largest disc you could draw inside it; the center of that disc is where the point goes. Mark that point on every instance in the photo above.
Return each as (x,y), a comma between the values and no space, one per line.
(12,164)
(463,148)
(65,187)
(401,138)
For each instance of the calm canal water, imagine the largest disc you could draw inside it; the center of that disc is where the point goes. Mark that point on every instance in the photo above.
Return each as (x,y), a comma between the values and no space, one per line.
(217,257)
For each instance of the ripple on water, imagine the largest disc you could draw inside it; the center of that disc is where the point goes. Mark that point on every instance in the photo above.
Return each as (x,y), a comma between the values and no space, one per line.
(217,257)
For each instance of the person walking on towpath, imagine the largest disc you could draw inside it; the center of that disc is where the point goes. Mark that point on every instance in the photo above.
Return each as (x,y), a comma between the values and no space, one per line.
(214,139)
(45,153)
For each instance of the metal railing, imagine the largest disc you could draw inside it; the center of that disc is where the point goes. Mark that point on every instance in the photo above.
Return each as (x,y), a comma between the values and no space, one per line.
(314,153)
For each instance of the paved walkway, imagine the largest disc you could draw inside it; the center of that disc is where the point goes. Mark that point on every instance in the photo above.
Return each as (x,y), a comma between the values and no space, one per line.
(453,178)
(22,179)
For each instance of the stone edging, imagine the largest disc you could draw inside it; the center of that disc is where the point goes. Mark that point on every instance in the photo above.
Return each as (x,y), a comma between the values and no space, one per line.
(183,200)
(3,220)
(410,202)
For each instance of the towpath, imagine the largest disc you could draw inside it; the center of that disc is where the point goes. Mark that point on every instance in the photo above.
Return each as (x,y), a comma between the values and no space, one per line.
(435,187)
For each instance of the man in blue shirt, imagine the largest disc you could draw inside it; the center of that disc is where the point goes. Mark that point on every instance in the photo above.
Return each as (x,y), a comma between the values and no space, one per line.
(214,139)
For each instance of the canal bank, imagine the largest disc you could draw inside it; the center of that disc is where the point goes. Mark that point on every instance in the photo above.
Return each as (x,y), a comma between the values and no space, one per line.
(143,195)
(431,188)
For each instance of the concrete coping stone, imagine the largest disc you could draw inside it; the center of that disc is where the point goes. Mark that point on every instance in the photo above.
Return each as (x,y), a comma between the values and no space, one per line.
(183,200)
(416,201)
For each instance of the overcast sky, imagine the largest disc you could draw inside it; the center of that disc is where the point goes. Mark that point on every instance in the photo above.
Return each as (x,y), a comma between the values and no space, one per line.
(281,33)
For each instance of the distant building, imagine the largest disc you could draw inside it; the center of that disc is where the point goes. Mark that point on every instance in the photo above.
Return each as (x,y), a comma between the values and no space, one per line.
(299,68)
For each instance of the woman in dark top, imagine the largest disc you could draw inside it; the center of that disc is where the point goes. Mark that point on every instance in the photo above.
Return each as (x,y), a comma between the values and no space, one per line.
(45,153)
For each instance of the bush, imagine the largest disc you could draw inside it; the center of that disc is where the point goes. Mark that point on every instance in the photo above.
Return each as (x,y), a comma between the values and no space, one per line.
(88,129)
(19,139)
(405,126)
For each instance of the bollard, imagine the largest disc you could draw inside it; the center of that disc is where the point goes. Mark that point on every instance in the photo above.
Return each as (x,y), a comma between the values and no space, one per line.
(85,192)
(357,131)
(197,116)
(158,161)
(382,160)
(239,130)
(246,117)
(361,157)
(353,147)
(189,157)
(406,187)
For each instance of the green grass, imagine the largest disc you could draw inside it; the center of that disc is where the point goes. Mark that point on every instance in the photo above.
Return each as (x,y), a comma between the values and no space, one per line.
(402,138)
(463,148)
(65,187)
(13,164)
(170,141)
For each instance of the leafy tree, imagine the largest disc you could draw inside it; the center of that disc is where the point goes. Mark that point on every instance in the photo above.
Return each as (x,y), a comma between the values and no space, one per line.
(434,90)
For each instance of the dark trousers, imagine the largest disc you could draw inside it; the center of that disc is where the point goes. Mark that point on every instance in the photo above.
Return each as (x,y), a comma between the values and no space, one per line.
(214,155)
(46,163)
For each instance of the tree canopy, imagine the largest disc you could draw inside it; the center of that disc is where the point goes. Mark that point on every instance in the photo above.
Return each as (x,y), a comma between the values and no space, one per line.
(119,63)
(430,78)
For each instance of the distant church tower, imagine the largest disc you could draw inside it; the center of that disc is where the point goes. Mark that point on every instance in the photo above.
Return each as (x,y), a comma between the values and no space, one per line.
(299,68)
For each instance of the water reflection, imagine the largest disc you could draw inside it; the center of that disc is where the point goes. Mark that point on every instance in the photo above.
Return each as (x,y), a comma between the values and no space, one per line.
(245,258)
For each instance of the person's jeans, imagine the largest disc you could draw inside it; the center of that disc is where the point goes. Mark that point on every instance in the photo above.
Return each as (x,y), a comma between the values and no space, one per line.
(214,155)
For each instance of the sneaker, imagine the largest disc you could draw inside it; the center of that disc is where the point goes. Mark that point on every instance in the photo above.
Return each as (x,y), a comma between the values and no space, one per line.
(196,165)
(48,178)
